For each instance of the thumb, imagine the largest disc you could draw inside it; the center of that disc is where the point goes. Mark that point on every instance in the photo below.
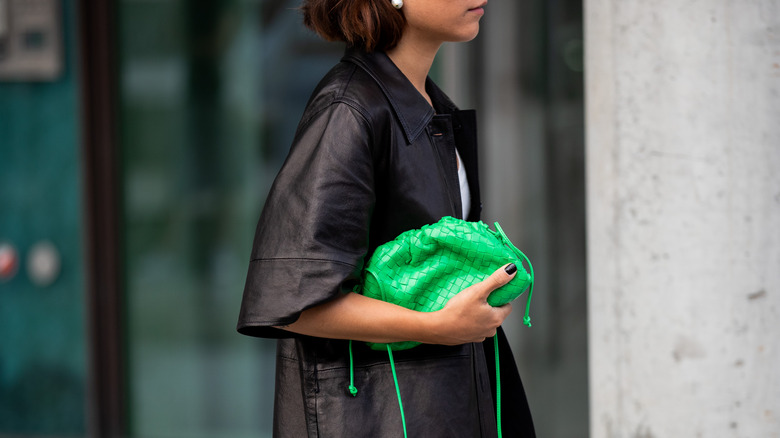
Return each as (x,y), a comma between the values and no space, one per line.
(500,277)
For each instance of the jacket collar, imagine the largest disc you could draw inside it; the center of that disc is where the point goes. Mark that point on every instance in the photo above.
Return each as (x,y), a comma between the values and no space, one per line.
(410,107)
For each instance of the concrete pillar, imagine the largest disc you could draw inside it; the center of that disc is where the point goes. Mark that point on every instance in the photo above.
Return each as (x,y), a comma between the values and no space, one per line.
(683,163)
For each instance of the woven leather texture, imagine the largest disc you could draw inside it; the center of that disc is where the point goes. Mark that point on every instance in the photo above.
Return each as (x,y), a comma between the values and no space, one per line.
(423,268)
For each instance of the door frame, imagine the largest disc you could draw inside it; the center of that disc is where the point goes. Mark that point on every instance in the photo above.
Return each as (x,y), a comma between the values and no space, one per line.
(106,410)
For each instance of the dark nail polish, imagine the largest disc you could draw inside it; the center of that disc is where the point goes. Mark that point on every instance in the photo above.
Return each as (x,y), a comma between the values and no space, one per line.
(510,269)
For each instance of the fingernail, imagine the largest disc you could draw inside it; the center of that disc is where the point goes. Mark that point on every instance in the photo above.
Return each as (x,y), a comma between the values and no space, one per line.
(510,269)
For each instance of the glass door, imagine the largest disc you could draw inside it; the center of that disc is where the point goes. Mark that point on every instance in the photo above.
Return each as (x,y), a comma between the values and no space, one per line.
(209,97)
(44,366)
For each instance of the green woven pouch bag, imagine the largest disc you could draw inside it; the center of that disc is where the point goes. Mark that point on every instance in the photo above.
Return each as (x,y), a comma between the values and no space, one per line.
(424,268)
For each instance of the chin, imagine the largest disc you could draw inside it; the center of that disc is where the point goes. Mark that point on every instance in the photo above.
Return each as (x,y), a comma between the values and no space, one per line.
(470,36)
(465,36)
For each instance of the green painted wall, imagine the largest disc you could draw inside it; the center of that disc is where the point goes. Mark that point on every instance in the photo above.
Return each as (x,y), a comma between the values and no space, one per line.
(42,329)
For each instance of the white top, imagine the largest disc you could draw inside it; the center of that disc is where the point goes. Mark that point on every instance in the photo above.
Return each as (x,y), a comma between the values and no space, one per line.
(465,193)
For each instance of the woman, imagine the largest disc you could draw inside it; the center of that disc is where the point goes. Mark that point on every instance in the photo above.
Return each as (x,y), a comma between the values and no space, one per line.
(379,150)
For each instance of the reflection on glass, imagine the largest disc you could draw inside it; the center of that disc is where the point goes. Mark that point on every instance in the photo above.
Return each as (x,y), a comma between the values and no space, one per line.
(210,94)
(43,340)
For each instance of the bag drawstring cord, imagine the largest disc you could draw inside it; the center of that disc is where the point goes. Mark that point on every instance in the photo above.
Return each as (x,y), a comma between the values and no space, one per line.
(498,386)
(397,390)
(507,242)
(352,389)
(526,320)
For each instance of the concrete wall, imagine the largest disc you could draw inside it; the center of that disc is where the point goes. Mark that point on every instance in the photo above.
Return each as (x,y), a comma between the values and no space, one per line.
(683,163)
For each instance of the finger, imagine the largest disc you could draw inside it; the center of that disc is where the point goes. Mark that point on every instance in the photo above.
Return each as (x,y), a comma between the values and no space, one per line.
(504,311)
(497,279)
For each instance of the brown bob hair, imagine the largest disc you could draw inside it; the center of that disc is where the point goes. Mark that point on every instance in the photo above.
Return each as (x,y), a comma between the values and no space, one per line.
(366,24)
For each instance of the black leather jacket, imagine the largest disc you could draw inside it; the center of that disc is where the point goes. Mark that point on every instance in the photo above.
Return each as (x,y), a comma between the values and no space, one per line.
(370,160)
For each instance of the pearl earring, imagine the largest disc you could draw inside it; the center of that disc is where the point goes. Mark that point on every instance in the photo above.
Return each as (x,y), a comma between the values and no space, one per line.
(398,4)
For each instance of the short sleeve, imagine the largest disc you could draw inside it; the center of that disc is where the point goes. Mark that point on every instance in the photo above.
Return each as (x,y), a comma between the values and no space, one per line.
(312,235)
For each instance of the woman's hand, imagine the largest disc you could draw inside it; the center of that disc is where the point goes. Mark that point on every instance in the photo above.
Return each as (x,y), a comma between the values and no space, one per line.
(467,317)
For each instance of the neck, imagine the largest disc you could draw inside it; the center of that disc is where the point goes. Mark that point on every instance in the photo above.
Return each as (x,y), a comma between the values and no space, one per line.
(414,60)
